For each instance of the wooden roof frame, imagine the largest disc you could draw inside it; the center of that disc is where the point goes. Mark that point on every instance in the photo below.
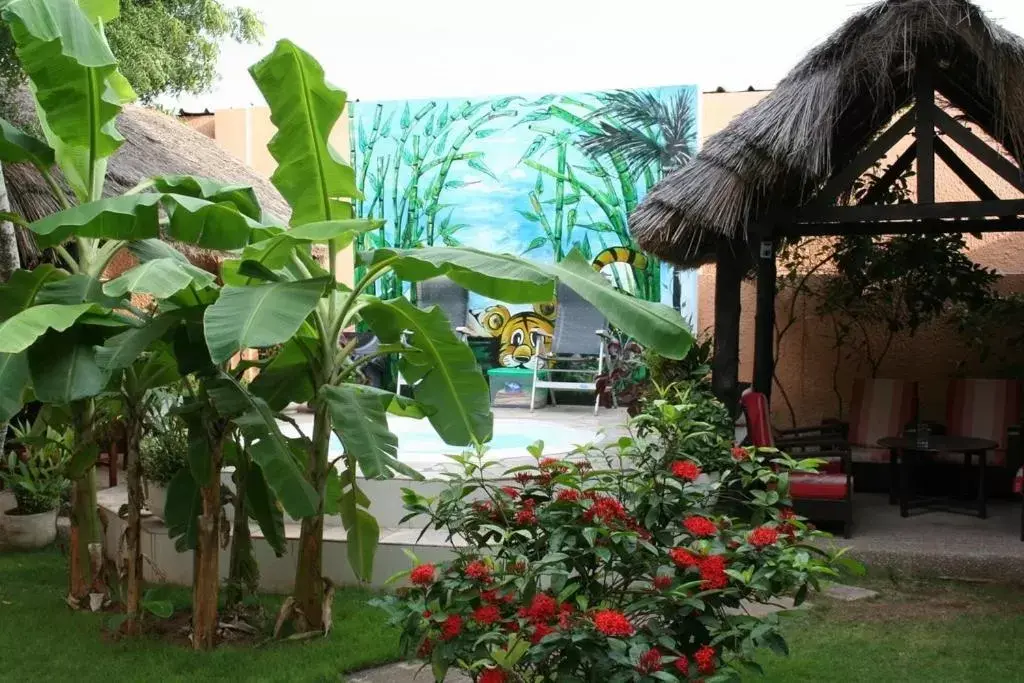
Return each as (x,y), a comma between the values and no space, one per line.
(822,216)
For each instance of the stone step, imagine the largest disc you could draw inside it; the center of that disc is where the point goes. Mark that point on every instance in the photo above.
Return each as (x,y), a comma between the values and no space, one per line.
(165,564)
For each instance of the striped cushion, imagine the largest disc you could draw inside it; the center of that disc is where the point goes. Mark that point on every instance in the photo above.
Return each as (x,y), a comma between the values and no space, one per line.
(983,408)
(880,408)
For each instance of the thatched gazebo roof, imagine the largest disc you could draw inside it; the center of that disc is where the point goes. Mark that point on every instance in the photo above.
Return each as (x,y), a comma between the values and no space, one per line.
(778,153)
(155,144)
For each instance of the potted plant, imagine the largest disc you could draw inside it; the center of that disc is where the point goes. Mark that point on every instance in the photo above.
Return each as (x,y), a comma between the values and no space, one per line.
(163,453)
(36,477)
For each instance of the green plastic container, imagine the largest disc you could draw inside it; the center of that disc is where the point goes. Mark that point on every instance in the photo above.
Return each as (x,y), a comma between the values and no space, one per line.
(512,387)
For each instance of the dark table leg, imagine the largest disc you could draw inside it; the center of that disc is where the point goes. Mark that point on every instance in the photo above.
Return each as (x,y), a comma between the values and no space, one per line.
(904,485)
(894,476)
(982,494)
(965,478)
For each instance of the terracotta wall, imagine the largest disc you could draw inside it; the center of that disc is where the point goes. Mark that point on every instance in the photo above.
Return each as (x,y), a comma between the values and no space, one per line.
(807,355)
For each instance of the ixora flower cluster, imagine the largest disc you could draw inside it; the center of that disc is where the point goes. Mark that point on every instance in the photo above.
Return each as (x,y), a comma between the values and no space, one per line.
(621,564)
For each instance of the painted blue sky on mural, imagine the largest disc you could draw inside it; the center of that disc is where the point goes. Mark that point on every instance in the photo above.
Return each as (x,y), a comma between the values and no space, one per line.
(507,174)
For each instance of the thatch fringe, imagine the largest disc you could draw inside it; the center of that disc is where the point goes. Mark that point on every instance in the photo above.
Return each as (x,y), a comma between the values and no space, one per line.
(781,150)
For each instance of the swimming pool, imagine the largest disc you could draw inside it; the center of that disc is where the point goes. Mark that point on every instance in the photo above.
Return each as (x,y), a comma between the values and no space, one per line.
(422,449)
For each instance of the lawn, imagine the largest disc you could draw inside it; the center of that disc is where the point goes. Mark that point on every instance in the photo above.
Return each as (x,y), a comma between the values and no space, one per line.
(914,631)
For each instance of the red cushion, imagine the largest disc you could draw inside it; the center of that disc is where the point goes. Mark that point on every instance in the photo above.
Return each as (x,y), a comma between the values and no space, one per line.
(817,486)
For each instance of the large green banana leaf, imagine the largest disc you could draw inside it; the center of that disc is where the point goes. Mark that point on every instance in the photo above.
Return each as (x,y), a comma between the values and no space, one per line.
(268,447)
(243,197)
(310,174)
(288,377)
(63,368)
(78,289)
(76,84)
(258,316)
(160,278)
(359,418)
(22,330)
(442,370)
(18,147)
(259,502)
(182,510)
(517,280)
(21,289)
(14,380)
(122,349)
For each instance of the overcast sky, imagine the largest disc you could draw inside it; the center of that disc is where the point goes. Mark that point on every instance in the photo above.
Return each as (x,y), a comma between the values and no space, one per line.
(405,49)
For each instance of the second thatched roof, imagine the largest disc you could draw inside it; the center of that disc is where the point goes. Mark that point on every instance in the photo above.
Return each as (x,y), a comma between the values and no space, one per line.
(155,144)
(781,150)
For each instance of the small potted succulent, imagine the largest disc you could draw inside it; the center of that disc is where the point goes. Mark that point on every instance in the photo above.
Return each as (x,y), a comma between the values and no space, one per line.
(36,477)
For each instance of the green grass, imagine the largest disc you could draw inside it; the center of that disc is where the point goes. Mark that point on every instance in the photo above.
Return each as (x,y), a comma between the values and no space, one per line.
(42,640)
(915,631)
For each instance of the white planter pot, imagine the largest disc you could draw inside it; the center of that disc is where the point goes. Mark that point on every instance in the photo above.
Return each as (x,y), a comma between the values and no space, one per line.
(157,498)
(28,532)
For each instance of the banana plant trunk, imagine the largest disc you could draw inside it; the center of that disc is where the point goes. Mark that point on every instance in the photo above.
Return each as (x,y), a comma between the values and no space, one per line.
(85,522)
(243,572)
(206,583)
(309,583)
(133,536)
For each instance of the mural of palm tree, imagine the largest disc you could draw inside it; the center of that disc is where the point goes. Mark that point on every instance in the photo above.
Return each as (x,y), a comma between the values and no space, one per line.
(648,132)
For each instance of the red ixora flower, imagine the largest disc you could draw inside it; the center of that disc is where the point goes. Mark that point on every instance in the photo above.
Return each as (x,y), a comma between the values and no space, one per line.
(763,536)
(492,676)
(650,661)
(682,665)
(685,470)
(526,517)
(524,478)
(787,513)
(518,568)
(539,631)
(510,491)
(542,608)
(662,582)
(683,558)
(705,658)
(712,571)
(487,615)
(422,575)
(700,526)
(613,624)
(739,453)
(478,571)
(605,509)
(425,649)
(567,496)
(451,627)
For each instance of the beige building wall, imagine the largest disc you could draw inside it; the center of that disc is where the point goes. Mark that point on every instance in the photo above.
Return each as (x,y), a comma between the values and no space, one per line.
(807,356)
(245,134)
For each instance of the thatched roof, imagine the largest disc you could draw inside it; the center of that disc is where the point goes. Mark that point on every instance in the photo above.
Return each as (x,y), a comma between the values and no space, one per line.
(155,144)
(781,150)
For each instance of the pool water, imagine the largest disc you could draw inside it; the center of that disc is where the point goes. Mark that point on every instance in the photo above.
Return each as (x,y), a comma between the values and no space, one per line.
(419,445)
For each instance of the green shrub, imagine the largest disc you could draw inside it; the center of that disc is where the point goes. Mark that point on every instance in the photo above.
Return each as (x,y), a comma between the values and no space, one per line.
(164,451)
(36,476)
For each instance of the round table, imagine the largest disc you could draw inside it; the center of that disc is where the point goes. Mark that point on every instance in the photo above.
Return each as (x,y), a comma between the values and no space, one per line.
(907,448)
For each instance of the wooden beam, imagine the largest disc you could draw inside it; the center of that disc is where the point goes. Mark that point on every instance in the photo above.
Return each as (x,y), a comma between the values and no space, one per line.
(925,130)
(879,147)
(725,364)
(898,168)
(931,226)
(764,320)
(907,212)
(984,152)
(964,172)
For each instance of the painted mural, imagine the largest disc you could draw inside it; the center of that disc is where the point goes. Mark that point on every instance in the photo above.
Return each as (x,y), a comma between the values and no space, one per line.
(531,175)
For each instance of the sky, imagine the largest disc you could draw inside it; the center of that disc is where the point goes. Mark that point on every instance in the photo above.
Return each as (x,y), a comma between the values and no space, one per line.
(406,49)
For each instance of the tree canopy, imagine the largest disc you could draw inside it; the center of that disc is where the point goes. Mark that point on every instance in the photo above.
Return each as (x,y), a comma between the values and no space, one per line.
(164,47)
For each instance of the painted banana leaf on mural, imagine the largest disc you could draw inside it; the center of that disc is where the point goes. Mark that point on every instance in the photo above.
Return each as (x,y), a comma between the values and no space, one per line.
(538,176)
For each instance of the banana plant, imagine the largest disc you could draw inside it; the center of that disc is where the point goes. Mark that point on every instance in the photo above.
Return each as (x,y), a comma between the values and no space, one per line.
(277,295)
(52,319)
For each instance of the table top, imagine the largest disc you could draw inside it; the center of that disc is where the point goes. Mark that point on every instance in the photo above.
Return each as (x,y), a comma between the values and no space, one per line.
(939,443)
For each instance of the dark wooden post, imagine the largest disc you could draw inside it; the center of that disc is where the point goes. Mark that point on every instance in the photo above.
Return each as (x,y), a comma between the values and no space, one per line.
(925,130)
(725,366)
(764,323)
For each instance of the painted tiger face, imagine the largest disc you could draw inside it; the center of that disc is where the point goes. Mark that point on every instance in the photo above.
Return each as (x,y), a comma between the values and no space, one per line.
(516,348)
